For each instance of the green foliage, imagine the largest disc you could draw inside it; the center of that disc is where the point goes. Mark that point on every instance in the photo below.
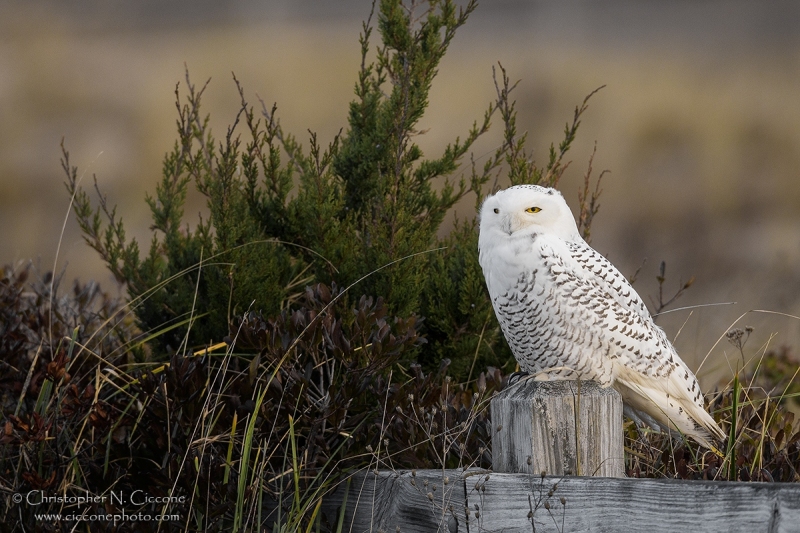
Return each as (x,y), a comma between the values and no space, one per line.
(459,319)
(366,209)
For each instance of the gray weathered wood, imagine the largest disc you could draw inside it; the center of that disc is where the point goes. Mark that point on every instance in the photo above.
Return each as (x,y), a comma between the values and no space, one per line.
(389,500)
(415,502)
(562,426)
(649,505)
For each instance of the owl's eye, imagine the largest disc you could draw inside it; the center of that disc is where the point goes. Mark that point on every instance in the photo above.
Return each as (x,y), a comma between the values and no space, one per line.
(496,210)
(533,209)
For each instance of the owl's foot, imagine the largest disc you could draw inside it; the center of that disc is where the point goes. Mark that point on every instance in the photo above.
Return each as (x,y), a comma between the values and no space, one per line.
(516,377)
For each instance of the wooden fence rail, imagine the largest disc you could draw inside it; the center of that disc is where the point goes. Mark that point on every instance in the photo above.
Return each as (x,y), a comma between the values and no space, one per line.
(475,501)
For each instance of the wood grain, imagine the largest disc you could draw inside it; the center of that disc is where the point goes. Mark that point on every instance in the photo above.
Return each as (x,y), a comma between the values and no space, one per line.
(563,426)
(518,502)
(648,505)
(423,501)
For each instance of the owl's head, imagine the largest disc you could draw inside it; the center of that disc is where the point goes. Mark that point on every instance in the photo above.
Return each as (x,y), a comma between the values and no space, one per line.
(525,209)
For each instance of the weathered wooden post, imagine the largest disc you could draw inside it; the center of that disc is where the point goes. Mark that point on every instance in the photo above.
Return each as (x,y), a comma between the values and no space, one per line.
(564,427)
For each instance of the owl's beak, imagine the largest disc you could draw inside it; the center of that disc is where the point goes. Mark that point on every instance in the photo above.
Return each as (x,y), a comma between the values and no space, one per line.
(506,225)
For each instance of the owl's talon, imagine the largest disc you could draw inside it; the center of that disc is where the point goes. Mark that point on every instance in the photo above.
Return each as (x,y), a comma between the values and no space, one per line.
(516,377)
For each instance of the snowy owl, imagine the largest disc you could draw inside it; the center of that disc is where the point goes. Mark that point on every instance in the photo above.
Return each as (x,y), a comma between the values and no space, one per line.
(568,313)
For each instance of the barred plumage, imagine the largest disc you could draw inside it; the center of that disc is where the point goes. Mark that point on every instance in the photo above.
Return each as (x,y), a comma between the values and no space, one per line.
(568,313)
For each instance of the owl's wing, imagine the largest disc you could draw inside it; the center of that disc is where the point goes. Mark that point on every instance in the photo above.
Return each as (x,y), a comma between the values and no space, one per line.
(648,371)
(584,279)
(606,275)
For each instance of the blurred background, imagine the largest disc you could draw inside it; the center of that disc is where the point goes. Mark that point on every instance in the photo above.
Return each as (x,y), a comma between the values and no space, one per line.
(699,126)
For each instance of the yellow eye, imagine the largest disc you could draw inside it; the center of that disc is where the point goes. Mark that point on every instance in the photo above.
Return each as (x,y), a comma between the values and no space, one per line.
(533,209)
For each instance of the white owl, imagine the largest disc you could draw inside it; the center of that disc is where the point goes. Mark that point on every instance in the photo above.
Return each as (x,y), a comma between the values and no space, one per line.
(568,313)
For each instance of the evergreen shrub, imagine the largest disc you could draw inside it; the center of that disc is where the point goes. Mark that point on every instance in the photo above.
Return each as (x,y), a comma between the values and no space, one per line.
(363,211)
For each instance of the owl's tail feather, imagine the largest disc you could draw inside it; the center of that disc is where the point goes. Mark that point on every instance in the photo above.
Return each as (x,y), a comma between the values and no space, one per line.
(666,408)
